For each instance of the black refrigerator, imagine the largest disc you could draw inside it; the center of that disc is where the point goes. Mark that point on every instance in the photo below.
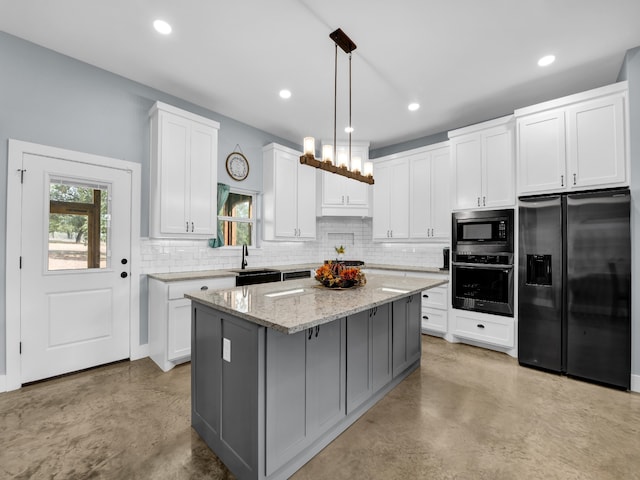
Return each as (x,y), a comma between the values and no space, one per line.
(574,296)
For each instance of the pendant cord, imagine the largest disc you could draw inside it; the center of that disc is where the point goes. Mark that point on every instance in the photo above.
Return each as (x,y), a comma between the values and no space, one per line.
(350,124)
(335,106)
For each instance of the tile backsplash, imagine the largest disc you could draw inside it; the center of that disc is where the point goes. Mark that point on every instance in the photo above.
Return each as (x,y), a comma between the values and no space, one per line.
(355,234)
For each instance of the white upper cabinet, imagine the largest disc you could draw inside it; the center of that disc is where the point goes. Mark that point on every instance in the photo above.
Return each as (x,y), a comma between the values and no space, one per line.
(184,173)
(574,143)
(289,203)
(411,198)
(342,196)
(429,197)
(391,199)
(482,156)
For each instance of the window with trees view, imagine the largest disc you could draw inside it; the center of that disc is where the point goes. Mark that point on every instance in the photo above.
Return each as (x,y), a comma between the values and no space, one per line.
(78,225)
(236,217)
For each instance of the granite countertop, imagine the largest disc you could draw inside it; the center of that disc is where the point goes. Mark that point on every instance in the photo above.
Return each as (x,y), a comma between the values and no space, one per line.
(293,306)
(198,275)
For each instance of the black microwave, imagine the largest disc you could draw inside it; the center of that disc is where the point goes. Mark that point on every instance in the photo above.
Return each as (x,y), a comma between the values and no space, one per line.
(483,231)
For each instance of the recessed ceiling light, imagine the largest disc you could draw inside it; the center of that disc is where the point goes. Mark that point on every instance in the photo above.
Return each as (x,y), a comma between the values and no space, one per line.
(414,106)
(348,129)
(284,93)
(546,60)
(162,27)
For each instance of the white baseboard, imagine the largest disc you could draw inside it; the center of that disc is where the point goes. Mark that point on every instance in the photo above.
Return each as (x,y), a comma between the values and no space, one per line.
(635,383)
(3,383)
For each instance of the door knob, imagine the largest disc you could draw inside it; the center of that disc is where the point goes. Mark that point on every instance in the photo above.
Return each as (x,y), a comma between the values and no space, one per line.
(124,275)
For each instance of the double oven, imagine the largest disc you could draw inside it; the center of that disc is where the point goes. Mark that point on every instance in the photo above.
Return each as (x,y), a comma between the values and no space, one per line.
(482,261)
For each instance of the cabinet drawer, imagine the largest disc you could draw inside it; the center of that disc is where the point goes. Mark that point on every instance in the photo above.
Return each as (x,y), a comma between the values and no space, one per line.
(178,289)
(493,330)
(435,297)
(433,320)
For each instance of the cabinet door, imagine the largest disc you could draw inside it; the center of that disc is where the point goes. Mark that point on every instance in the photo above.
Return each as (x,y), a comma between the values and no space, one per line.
(306,202)
(381,195)
(358,359)
(286,195)
(467,160)
(406,333)
(325,377)
(440,194)
(596,143)
(414,340)
(399,200)
(541,153)
(420,192)
(381,361)
(203,180)
(179,329)
(333,190)
(286,412)
(498,167)
(174,156)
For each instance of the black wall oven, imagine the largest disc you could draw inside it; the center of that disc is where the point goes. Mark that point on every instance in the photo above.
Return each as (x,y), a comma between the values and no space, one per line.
(482,263)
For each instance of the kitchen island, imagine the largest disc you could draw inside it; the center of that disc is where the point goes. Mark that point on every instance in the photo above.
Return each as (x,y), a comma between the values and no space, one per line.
(280,370)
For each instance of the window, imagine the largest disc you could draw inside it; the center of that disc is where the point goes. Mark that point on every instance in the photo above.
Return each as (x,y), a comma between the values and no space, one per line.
(78,225)
(237,218)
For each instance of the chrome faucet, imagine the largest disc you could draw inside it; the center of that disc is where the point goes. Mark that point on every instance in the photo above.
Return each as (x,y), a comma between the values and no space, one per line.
(245,253)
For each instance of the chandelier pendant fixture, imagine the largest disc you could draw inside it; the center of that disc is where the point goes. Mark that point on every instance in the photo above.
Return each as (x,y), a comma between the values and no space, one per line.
(352,169)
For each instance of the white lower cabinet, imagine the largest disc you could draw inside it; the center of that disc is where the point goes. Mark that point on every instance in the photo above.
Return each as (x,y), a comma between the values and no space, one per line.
(170,318)
(435,305)
(483,328)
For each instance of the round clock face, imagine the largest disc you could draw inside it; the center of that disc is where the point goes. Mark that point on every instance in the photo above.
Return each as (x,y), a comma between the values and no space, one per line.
(237,166)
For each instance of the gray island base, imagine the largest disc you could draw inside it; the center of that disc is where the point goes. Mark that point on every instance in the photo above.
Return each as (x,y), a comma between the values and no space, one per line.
(280,370)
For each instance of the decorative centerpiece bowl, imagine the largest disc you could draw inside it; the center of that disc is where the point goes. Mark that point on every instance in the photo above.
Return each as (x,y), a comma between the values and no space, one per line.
(338,275)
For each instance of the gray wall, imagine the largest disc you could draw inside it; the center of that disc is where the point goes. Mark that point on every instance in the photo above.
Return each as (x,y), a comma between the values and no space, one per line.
(631,72)
(51,99)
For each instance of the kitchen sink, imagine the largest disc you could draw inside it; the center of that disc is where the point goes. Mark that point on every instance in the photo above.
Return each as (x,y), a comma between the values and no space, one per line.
(252,276)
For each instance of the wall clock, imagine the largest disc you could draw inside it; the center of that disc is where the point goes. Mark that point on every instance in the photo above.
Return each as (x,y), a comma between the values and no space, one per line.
(237,166)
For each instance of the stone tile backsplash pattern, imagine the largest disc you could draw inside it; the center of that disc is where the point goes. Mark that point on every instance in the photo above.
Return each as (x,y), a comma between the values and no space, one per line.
(158,256)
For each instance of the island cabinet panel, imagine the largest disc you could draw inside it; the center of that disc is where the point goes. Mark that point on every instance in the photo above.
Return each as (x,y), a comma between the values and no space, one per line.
(406,333)
(225,387)
(305,389)
(368,354)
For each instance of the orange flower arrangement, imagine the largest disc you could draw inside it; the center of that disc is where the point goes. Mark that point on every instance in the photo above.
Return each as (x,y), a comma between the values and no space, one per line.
(337,275)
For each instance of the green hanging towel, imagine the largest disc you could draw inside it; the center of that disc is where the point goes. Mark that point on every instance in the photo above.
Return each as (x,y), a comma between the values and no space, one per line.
(223,194)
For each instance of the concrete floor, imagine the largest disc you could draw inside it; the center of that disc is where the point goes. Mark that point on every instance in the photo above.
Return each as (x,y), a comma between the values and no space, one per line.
(467,413)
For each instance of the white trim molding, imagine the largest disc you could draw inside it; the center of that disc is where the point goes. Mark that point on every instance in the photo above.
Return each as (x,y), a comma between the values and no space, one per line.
(17,149)
(635,383)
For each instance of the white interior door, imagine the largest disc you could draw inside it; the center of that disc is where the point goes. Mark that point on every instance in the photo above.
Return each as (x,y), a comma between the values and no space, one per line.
(75,254)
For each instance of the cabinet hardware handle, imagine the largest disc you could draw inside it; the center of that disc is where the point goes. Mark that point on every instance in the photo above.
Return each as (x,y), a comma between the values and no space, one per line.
(343,199)
(310,333)
(562,180)
(391,233)
(204,287)
(317,330)
(347,199)
(574,178)
(484,201)
(187,229)
(425,317)
(480,325)
(425,296)
(192,226)
(432,234)
(478,201)
(124,275)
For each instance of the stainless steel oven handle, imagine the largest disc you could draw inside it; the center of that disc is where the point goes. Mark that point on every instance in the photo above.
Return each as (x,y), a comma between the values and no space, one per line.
(484,266)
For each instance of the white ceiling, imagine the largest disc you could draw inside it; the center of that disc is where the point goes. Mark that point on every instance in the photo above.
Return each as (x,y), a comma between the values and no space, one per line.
(464,61)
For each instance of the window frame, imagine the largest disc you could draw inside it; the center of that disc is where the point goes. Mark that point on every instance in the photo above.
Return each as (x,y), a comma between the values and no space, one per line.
(253,220)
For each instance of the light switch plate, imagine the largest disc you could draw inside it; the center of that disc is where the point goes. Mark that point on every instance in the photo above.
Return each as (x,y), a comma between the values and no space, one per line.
(226,349)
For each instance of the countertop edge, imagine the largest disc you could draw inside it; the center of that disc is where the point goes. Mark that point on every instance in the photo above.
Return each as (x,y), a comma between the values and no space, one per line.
(316,322)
